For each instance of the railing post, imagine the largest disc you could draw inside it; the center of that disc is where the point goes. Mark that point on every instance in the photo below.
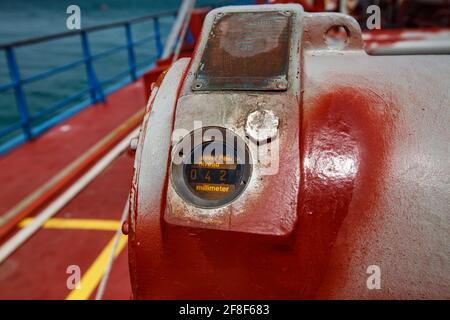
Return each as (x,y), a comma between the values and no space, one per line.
(131,55)
(159,45)
(189,37)
(18,92)
(94,86)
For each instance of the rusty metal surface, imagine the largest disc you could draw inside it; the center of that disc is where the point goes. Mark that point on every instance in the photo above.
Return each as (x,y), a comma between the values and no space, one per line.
(149,179)
(376,146)
(246,51)
(369,138)
(231,110)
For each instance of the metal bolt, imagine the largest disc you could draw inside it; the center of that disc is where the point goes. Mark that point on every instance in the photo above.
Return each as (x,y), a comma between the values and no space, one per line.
(125,228)
(134,143)
(262,125)
(281,84)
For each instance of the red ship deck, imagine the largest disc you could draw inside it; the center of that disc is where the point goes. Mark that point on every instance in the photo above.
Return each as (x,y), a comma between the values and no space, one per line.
(82,232)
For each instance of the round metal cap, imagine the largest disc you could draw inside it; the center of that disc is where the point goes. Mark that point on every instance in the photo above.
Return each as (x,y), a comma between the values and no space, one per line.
(262,125)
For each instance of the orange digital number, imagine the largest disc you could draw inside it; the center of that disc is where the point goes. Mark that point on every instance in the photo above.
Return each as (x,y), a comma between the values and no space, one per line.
(193,174)
(223,175)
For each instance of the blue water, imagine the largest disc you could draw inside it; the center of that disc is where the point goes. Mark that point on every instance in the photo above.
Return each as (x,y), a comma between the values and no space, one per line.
(22,19)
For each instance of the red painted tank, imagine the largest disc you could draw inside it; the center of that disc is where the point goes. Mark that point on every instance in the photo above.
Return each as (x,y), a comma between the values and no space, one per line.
(370,143)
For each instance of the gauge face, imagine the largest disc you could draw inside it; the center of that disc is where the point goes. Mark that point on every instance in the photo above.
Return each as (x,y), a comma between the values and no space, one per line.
(213,174)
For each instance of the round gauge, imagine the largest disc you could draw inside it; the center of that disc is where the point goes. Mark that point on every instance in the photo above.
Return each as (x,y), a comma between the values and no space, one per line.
(214,172)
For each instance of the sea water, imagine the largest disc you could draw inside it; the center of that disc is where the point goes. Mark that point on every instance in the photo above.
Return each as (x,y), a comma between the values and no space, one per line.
(22,19)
